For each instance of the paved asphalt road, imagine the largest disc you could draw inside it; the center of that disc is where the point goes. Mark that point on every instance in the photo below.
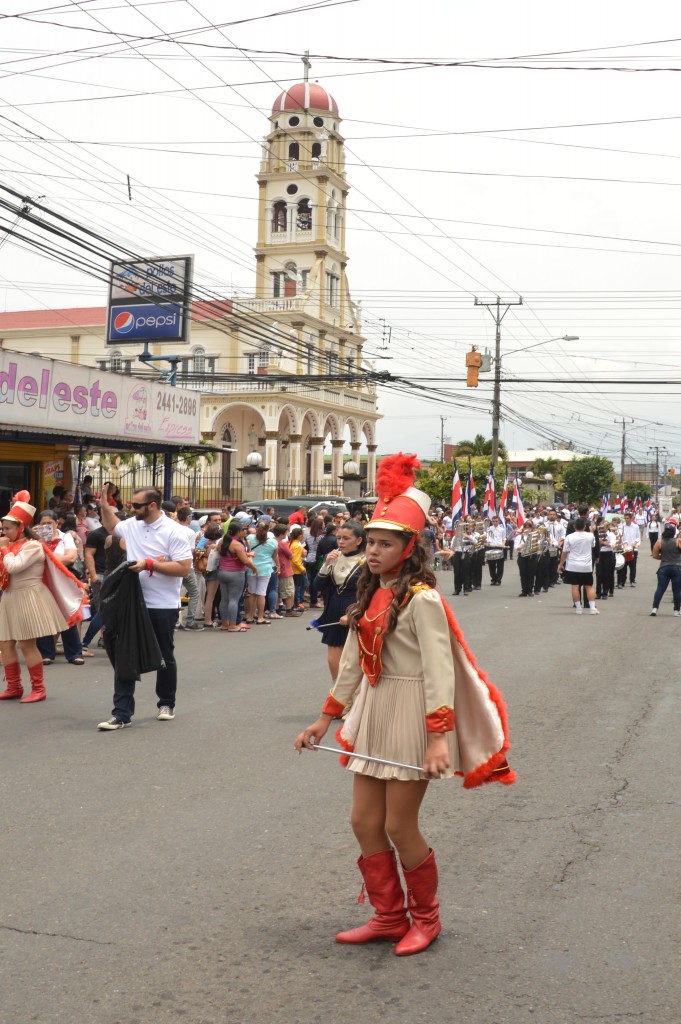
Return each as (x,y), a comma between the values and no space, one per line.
(196,871)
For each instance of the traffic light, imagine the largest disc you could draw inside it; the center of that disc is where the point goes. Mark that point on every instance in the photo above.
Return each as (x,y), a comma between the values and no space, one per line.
(473,364)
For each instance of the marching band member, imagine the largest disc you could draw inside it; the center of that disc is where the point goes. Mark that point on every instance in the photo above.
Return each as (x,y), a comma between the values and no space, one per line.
(404,684)
(555,536)
(496,540)
(605,566)
(527,561)
(631,539)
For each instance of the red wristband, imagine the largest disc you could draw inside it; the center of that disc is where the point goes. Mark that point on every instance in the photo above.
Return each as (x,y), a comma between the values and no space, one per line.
(149,565)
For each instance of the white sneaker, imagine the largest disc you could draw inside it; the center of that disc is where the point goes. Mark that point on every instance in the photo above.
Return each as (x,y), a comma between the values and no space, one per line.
(578,611)
(113,723)
(677,614)
(654,612)
(165,714)
(594,611)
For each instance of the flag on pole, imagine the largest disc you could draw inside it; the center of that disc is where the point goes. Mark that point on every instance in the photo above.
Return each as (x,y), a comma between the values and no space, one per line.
(504,499)
(625,504)
(469,496)
(605,503)
(489,507)
(456,495)
(518,504)
(617,507)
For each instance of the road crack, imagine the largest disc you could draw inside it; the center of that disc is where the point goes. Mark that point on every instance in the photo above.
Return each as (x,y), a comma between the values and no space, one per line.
(53,935)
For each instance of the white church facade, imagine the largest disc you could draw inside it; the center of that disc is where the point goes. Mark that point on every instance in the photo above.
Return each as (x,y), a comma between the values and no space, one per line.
(255,360)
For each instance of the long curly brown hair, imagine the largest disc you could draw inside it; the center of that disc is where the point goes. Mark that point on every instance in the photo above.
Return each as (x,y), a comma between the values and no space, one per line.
(414,569)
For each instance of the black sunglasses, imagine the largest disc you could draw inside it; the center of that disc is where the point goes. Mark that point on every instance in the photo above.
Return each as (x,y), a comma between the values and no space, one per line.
(139,504)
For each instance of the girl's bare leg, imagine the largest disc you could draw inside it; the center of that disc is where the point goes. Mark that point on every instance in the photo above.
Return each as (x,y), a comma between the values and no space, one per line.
(260,606)
(211,591)
(8,652)
(32,655)
(403,803)
(334,656)
(368,814)
(576,596)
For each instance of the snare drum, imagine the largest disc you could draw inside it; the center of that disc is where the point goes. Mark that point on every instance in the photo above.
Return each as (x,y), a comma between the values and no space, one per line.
(619,560)
(494,554)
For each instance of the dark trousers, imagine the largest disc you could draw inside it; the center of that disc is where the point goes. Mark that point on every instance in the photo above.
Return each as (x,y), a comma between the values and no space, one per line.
(311,569)
(300,584)
(462,572)
(478,561)
(496,569)
(622,573)
(527,567)
(163,623)
(94,626)
(667,574)
(553,569)
(71,641)
(605,573)
(541,579)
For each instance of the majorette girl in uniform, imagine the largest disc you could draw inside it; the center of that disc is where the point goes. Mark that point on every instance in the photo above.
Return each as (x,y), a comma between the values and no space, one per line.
(410,692)
(41,597)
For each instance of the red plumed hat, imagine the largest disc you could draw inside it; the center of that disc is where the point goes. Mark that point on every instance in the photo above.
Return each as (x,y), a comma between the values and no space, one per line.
(400,505)
(21,512)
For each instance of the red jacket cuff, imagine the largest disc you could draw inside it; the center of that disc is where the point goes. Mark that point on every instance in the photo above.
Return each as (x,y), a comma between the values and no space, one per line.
(440,720)
(333,707)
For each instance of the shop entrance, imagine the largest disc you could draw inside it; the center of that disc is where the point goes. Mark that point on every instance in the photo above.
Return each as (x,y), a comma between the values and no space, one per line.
(14,476)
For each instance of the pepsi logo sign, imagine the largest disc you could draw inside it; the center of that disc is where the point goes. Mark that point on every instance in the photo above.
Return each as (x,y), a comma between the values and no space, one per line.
(124,323)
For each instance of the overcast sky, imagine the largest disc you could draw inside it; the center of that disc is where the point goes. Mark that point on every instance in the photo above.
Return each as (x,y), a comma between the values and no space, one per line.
(508,177)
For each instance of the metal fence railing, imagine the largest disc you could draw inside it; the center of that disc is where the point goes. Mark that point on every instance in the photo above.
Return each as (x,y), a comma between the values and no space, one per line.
(207,489)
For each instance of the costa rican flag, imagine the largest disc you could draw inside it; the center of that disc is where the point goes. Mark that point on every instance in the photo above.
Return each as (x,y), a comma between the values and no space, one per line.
(518,504)
(504,499)
(605,503)
(457,504)
(625,504)
(469,496)
(489,507)
(617,507)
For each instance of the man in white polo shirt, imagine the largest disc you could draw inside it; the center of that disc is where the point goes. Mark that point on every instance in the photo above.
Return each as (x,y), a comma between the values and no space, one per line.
(158,549)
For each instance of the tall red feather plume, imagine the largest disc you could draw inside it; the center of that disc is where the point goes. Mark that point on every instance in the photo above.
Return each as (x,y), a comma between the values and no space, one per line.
(395,474)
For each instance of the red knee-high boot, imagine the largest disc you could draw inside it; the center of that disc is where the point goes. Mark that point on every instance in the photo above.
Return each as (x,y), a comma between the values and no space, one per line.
(423,907)
(13,679)
(37,686)
(386,895)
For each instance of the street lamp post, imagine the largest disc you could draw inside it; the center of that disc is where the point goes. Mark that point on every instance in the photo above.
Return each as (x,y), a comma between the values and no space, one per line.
(496,404)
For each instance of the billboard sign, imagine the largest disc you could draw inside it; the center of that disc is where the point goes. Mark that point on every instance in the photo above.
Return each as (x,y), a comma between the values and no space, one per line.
(45,394)
(144,322)
(149,300)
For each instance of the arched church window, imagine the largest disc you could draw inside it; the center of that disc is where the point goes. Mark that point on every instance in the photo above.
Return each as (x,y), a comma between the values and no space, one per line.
(316,150)
(304,220)
(199,360)
(337,220)
(293,151)
(279,216)
(329,218)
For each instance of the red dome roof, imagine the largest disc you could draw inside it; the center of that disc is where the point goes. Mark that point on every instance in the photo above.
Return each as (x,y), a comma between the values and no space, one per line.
(305,96)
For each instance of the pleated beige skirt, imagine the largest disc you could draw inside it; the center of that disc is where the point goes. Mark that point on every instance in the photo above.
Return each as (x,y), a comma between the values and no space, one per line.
(393,727)
(29,612)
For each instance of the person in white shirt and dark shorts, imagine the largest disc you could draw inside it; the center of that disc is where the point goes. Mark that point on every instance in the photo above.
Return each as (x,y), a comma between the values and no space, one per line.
(157,548)
(577,562)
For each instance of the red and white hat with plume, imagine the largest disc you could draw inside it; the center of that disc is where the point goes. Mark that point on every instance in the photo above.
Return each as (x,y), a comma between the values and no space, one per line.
(400,507)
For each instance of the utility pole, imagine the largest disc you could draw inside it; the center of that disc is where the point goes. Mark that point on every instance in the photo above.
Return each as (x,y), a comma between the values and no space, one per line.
(442,438)
(496,401)
(624,448)
(657,449)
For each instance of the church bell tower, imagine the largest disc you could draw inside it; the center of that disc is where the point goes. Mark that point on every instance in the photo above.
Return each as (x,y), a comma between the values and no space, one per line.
(300,252)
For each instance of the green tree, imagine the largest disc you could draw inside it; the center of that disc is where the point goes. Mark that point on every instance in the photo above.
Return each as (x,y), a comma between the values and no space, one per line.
(587,479)
(480,445)
(637,490)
